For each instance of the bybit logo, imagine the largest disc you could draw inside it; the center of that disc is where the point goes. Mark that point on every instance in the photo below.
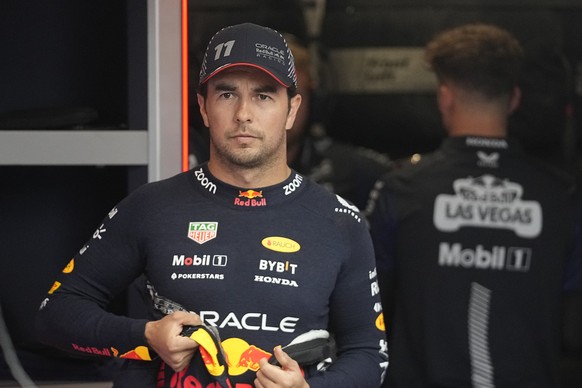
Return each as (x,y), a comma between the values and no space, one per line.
(277,266)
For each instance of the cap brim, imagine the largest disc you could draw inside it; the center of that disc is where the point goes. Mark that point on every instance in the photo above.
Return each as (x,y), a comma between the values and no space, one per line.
(230,65)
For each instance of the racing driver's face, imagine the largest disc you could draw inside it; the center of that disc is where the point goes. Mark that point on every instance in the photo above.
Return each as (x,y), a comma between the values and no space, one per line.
(248,113)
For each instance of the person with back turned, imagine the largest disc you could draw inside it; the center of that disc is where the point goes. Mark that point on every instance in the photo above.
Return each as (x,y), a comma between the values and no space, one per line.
(473,238)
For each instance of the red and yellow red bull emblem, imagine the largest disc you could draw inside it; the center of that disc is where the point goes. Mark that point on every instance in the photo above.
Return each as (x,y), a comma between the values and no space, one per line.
(251,198)
(241,356)
(250,194)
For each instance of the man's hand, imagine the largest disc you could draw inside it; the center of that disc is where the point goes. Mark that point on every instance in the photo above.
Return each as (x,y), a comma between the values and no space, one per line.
(164,337)
(288,375)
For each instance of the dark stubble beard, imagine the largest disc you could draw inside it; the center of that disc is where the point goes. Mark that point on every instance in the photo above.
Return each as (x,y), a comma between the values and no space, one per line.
(242,158)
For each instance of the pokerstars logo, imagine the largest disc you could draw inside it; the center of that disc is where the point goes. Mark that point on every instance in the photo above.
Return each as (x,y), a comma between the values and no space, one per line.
(250,198)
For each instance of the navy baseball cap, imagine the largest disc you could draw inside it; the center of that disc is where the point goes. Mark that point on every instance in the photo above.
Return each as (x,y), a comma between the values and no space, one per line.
(249,44)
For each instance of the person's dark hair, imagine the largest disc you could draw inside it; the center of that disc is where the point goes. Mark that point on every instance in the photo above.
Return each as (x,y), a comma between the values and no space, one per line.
(291,92)
(480,57)
(203,90)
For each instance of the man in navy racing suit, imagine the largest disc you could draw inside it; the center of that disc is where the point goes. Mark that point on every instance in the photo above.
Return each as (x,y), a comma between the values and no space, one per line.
(243,243)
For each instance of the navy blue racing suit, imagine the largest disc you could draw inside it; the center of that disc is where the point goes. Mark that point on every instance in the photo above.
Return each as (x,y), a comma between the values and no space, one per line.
(473,239)
(261,265)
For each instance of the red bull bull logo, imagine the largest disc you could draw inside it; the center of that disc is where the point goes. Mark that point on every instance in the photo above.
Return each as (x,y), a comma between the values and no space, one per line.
(253,198)
(250,194)
(241,356)
(250,358)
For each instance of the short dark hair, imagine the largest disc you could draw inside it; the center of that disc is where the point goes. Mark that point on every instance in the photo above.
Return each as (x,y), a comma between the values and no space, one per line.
(480,57)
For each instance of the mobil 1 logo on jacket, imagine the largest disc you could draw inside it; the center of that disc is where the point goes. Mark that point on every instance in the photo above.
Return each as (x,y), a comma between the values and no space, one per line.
(487,202)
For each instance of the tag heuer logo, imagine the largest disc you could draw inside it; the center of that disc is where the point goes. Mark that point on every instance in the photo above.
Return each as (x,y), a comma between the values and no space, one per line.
(202,232)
